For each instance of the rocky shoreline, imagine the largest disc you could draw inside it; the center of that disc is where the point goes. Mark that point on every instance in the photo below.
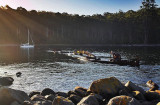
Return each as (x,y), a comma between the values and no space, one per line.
(107,91)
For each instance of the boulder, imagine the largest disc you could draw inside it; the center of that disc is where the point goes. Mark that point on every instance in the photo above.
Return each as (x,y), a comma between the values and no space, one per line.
(138,95)
(99,98)
(107,87)
(50,97)
(38,97)
(153,86)
(158,91)
(131,86)
(42,103)
(148,103)
(89,100)
(75,99)
(71,92)
(152,95)
(33,93)
(47,91)
(63,94)
(18,74)
(88,92)
(158,103)
(80,91)
(155,102)
(62,101)
(6,81)
(8,96)
(15,103)
(125,92)
(123,100)
(27,103)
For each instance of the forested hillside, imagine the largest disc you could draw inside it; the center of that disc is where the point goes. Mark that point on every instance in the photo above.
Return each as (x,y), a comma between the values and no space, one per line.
(131,27)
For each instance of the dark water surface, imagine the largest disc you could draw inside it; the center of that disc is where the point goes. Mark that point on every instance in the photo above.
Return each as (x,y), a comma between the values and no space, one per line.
(41,69)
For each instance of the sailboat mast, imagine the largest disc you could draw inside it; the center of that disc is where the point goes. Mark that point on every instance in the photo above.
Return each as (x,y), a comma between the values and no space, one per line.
(28,36)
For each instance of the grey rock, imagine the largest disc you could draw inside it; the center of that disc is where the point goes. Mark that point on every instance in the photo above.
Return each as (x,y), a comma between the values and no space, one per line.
(98,97)
(138,95)
(63,94)
(123,100)
(33,93)
(158,103)
(15,103)
(6,81)
(134,87)
(38,97)
(75,98)
(80,91)
(18,74)
(71,92)
(42,103)
(89,100)
(62,101)
(125,92)
(50,97)
(27,103)
(153,86)
(152,95)
(47,91)
(147,103)
(107,87)
(8,96)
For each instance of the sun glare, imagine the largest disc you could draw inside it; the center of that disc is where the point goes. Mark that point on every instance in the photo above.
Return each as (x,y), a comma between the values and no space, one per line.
(7,2)
(16,3)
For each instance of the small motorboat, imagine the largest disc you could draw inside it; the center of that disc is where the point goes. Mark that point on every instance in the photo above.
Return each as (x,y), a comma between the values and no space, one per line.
(132,62)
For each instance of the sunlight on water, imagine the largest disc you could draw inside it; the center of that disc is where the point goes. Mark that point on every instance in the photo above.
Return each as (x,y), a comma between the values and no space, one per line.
(62,73)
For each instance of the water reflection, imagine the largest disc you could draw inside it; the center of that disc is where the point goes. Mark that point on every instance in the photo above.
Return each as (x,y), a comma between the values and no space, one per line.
(42,69)
(27,54)
(9,55)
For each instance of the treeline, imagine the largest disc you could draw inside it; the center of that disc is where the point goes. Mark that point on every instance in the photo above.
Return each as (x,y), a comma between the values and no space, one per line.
(131,27)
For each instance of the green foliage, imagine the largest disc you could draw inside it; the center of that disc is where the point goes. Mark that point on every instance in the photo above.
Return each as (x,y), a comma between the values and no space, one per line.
(149,4)
(131,27)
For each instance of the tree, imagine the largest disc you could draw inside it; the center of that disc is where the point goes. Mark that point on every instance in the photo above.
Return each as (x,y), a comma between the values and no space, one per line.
(8,7)
(149,14)
(21,9)
(149,4)
(130,27)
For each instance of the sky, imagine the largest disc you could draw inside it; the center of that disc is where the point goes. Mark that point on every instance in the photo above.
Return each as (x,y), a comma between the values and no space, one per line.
(81,7)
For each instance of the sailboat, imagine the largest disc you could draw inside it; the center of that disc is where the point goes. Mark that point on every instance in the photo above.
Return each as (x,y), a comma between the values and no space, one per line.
(27,45)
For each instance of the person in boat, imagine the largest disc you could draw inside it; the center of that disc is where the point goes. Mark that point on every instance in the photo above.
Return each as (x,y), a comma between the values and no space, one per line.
(116,57)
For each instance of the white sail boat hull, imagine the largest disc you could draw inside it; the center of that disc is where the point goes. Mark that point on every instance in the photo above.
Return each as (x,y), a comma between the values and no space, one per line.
(27,45)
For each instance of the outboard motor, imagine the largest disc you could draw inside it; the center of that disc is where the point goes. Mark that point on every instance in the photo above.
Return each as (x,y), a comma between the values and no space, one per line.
(134,62)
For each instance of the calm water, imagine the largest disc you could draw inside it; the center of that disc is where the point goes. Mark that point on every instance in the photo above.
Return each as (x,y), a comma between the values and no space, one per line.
(41,69)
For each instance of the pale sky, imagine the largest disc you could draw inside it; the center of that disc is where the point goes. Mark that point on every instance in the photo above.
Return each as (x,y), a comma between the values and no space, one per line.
(86,7)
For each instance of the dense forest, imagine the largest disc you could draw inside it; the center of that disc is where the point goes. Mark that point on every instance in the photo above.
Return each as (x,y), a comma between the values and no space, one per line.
(131,27)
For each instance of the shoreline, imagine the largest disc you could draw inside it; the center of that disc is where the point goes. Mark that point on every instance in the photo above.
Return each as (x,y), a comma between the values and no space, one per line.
(106,91)
(90,45)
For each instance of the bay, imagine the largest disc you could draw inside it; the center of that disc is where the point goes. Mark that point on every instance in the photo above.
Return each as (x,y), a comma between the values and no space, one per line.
(42,69)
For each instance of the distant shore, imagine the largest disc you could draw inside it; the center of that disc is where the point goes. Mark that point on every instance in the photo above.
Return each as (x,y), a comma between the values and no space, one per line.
(93,45)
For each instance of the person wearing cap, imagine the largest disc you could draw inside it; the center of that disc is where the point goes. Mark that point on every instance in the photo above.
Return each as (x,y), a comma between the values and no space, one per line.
(116,57)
